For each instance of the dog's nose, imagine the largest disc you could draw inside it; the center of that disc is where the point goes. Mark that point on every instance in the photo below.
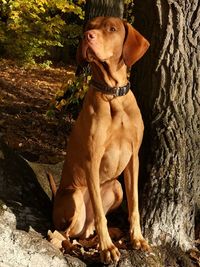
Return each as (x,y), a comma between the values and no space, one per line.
(90,35)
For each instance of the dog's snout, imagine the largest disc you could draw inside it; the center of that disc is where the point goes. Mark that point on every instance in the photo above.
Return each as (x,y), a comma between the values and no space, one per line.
(90,35)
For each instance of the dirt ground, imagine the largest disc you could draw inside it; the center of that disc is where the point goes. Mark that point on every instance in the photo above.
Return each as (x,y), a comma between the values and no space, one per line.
(25,97)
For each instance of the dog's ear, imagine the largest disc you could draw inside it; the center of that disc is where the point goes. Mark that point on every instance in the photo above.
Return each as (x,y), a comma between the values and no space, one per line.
(135,45)
(79,55)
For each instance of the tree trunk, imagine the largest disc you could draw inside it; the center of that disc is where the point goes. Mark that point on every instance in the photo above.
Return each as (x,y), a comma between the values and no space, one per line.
(166,85)
(95,8)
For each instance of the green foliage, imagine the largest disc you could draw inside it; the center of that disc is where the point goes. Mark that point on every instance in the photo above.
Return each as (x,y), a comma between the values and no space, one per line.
(70,98)
(29,29)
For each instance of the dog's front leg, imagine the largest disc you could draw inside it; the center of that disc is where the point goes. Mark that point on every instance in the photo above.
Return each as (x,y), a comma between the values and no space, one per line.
(108,251)
(131,184)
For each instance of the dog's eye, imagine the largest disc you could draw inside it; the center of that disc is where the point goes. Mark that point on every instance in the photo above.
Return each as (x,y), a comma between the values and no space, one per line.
(112,29)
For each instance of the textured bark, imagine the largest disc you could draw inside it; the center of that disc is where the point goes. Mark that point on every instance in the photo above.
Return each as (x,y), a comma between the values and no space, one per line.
(167,85)
(95,8)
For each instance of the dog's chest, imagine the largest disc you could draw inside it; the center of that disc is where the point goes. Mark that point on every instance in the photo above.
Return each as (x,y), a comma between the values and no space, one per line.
(118,149)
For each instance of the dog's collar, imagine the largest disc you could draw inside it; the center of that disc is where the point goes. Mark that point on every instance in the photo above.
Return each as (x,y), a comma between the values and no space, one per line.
(115,91)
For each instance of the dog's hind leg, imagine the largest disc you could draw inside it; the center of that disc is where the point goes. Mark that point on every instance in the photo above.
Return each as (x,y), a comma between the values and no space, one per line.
(69,213)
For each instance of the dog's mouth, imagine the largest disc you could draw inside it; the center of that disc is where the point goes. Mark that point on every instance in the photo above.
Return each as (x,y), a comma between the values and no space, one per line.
(91,53)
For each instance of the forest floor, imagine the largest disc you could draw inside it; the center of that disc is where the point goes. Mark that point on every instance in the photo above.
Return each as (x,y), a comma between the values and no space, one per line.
(25,96)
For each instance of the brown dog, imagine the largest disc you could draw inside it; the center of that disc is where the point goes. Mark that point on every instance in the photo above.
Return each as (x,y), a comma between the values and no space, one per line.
(105,139)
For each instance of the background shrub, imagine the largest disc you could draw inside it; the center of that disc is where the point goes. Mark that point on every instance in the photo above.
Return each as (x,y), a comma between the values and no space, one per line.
(70,97)
(30,30)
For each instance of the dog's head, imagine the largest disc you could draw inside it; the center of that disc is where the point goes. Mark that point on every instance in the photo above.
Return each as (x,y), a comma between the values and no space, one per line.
(111,39)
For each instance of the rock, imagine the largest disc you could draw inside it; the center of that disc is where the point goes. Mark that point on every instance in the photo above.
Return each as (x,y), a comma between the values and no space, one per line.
(25,217)
(25,248)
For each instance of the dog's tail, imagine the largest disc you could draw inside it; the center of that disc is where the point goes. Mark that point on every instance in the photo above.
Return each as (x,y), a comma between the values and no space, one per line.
(52,184)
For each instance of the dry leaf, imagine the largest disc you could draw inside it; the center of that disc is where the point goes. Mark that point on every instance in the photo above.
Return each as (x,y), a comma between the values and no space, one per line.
(89,243)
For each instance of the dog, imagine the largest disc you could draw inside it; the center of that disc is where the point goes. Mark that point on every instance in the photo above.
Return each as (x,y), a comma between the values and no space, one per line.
(105,139)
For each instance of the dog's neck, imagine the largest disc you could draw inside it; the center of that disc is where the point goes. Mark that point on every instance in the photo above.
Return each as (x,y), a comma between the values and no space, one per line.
(112,73)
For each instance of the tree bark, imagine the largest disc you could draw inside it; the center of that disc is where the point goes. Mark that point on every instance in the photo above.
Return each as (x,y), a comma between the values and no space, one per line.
(166,84)
(95,8)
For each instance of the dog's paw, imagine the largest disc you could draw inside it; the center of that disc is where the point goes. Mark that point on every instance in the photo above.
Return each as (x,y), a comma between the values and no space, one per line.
(140,243)
(110,254)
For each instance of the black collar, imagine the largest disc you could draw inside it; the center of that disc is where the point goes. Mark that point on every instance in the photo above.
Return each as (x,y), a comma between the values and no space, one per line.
(115,91)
